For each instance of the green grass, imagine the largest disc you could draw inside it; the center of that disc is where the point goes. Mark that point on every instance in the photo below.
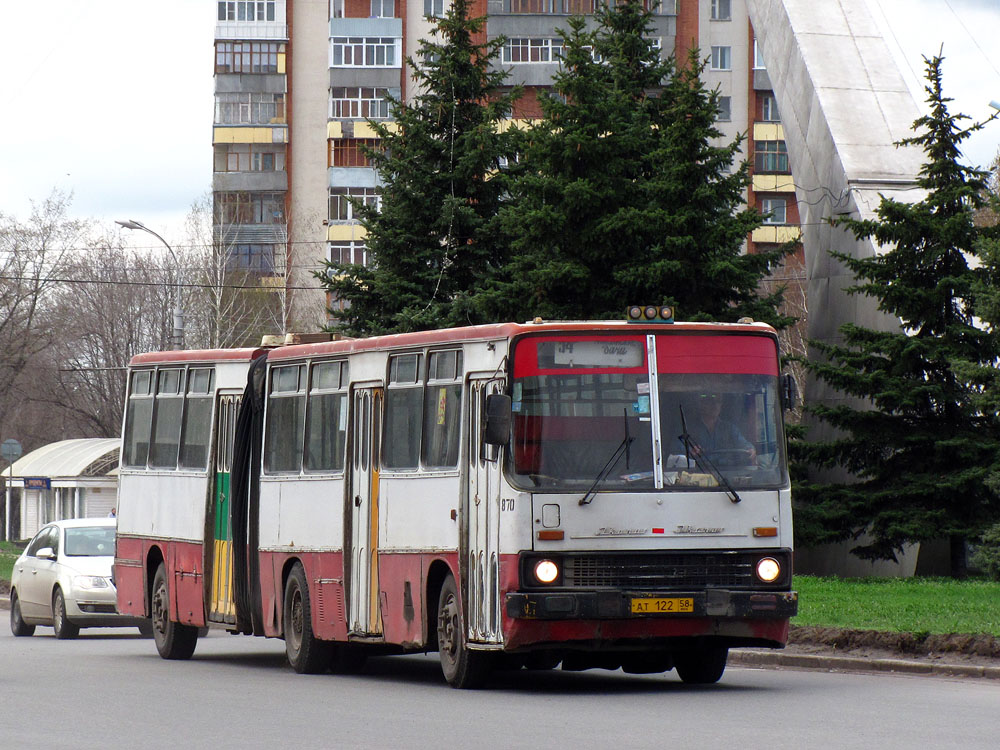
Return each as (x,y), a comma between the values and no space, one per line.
(907,605)
(8,554)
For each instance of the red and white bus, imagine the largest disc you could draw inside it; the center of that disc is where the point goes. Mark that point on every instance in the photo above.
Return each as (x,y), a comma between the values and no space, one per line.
(595,494)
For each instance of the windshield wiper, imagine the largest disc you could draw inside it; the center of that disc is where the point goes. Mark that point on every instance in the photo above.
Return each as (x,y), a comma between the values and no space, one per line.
(623,448)
(702,462)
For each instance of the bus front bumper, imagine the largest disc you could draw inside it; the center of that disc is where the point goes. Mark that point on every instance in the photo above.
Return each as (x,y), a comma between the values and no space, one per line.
(616,605)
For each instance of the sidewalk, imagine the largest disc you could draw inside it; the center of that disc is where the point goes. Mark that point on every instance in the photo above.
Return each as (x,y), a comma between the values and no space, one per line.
(830,662)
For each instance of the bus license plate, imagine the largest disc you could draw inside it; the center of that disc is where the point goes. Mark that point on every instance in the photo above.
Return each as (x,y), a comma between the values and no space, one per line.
(662,606)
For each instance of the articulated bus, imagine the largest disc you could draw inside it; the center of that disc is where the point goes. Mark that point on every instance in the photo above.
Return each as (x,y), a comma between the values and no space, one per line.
(590,494)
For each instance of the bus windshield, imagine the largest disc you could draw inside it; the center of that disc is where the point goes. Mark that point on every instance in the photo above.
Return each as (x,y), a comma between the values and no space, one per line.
(707,414)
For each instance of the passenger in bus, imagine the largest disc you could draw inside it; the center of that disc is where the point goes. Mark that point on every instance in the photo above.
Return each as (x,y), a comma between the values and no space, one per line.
(709,432)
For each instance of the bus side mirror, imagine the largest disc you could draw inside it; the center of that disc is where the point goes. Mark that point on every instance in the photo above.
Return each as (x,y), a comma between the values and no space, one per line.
(496,431)
(789,391)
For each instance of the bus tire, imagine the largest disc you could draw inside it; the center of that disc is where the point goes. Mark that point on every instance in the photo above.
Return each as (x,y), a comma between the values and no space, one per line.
(462,667)
(306,653)
(173,639)
(17,624)
(65,630)
(701,666)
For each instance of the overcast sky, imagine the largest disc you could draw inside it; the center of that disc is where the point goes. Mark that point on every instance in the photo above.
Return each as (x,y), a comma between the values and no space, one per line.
(112,99)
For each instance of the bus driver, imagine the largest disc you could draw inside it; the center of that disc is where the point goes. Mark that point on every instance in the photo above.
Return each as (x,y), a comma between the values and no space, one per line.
(709,432)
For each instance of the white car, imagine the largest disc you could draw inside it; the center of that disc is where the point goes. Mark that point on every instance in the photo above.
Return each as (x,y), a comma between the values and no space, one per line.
(63,579)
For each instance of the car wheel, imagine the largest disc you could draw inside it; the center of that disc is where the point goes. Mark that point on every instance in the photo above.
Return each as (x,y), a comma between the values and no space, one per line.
(173,639)
(63,627)
(306,653)
(17,624)
(701,666)
(462,667)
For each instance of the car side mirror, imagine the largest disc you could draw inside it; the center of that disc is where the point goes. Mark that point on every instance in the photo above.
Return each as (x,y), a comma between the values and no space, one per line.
(496,431)
(46,553)
(789,391)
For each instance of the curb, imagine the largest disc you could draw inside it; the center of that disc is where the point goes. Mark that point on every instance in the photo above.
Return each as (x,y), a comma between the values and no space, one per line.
(859,664)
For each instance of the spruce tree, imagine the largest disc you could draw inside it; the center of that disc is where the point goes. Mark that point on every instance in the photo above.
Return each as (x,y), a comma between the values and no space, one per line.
(622,195)
(919,443)
(434,239)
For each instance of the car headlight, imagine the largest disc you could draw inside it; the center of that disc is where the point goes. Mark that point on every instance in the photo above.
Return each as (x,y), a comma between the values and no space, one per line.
(546,571)
(90,582)
(768,569)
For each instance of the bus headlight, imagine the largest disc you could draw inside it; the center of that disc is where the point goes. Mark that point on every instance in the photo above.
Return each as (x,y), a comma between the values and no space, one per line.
(546,571)
(768,569)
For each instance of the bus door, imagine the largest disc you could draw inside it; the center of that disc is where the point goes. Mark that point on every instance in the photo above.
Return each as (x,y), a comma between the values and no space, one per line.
(222,607)
(364,616)
(483,533)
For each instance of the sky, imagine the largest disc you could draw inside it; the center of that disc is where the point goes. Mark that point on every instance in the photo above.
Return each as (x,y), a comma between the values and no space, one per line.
(111,100)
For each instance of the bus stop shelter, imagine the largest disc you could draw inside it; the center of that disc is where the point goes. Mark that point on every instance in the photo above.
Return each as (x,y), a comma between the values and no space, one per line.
(67,479)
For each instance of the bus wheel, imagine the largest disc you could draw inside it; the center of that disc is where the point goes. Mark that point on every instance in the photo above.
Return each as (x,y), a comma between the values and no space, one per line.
(60,623)
(306,653)
(173,639)
(17,624)
(462,667)
(701,666)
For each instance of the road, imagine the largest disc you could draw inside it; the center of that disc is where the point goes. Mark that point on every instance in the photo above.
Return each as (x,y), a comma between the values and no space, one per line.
(109,689)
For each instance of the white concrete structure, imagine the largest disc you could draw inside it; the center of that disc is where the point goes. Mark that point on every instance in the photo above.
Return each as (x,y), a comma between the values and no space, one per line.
(67,479)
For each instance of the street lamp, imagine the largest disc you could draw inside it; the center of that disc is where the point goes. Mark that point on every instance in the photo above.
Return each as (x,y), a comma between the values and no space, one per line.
(177,338)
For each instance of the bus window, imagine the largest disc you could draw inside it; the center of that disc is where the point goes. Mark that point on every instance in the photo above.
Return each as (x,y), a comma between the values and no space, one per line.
(138,419)
(285,420)
(197,419)
(401,449)
(167,419)
(442,410)
(326,417)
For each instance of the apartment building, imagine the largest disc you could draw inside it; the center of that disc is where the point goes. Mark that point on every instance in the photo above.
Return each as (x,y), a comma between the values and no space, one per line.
(296,82)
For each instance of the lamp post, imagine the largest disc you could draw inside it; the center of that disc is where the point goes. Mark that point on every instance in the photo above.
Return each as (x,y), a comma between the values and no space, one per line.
(177,337)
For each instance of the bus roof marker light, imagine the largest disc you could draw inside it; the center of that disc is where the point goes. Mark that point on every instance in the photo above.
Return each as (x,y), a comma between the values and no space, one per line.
(649,314)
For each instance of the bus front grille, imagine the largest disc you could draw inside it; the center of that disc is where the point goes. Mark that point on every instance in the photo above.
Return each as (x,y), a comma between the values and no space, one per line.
(655,571)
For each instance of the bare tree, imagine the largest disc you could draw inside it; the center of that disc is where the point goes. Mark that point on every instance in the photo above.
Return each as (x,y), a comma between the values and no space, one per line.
(33,257)
(232,297)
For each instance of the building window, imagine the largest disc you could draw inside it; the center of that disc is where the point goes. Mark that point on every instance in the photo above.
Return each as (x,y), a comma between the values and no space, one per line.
(249,109)
(349,152)
(249,208)
(770,156)
(356,102)
(523,50)
(244,157)
(356,52)
(348,253)
(246,10)
(383,8)
(532,6)
(725,108)
(343,199)
(776,207)
(722,58)
(252,258)
(769,108)
(758,57)
(247,57)
(722,10)
(434,8)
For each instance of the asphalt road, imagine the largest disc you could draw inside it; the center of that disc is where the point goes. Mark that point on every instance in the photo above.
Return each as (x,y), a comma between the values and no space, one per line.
(109,689)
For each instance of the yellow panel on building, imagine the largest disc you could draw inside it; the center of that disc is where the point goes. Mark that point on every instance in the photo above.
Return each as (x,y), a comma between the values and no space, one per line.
(345,232)
(775,234)
(249,135)
(768,131)
(773,183)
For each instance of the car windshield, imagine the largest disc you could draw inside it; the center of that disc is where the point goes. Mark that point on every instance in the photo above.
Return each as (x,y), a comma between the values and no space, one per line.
(90,541)
(583,412)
